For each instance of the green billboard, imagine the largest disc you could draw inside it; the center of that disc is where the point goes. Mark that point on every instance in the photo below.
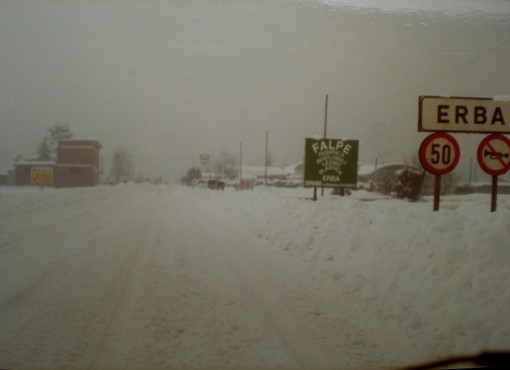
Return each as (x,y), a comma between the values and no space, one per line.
(331,163)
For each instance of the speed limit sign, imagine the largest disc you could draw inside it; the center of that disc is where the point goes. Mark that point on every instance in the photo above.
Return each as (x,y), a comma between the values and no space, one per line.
(439,153)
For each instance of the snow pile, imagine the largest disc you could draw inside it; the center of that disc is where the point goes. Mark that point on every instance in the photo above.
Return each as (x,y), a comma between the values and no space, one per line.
(441,276)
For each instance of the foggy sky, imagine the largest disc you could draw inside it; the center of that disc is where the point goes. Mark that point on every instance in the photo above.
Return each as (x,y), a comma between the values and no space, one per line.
(172,79)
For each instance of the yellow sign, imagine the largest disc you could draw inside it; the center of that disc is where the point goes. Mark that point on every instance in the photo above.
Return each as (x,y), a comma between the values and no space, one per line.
(42,175)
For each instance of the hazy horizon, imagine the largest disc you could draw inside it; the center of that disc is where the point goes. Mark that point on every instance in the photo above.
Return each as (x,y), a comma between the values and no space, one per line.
(172,80)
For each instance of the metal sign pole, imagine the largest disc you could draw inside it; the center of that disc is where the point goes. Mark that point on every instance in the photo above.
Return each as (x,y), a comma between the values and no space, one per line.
(265,173)
(241,165)
(325,130)
(437,192)
(494,195)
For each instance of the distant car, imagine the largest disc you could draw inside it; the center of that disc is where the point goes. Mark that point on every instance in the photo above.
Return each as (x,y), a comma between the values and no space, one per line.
(216,184)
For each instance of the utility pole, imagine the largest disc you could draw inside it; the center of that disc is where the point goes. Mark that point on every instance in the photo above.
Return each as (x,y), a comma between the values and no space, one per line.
(470,169)
(325,129)
(240,165)
(325,135)
(267,141)
(326,117)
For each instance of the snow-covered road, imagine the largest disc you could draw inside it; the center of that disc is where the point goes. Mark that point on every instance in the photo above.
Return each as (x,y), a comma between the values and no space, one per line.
(152,277)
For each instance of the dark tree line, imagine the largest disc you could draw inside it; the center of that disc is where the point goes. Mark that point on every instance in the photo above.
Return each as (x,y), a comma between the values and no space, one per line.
(193,173)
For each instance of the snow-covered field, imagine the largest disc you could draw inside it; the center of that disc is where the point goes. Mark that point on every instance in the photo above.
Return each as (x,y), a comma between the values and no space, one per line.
(143,276)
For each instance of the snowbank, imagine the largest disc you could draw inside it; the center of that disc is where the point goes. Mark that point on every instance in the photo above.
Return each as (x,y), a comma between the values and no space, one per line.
(441,276)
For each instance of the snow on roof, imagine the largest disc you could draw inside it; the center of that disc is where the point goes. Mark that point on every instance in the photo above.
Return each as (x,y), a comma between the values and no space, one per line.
(261,170)
(271,171)
(367,169)
(76,142)
(26,162)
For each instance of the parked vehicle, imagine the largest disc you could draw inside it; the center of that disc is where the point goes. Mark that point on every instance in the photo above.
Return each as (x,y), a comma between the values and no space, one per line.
(216,184)
(399,180)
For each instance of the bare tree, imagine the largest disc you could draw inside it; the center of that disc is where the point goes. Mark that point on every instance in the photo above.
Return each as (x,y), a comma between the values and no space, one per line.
(47,148)
(226,164)
(122,164)
(381,142)
(44,150)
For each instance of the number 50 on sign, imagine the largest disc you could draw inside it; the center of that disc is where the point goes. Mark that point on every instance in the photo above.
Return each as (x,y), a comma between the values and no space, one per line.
(439,153)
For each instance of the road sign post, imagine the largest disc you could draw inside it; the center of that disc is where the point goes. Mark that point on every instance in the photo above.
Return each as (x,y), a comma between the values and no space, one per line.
(494,159)
(442,114)
(439,154)
(204,158)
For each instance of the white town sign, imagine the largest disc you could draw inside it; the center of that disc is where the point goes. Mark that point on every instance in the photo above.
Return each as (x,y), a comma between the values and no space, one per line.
(457,114)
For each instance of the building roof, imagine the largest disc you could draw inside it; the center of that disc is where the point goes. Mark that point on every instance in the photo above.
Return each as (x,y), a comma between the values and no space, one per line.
(80,143)
(28,162)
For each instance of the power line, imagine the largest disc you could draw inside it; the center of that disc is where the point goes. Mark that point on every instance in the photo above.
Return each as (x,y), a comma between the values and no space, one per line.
(440,76)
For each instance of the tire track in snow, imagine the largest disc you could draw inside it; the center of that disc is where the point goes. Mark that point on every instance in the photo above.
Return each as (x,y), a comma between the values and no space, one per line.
(106,354)
(60,220)
(271,288)
(56,310)
(190,308)
(175,283)
(62,226)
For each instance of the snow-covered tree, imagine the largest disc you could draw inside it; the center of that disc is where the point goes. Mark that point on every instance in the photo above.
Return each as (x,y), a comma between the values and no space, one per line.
(44,150)
(122,164)
(47,148)
(226,164)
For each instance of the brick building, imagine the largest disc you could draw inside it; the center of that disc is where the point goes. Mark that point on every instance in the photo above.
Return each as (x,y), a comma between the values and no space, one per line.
(35,173)
(78,164)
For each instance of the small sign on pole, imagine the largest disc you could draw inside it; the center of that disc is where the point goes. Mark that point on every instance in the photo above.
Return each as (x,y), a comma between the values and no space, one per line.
(494,158)
(439,154)
(204,158)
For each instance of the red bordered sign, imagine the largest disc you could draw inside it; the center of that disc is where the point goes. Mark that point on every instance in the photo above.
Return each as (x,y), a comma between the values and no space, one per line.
(204,158)
(494,154)
(439,153)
